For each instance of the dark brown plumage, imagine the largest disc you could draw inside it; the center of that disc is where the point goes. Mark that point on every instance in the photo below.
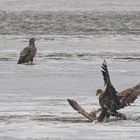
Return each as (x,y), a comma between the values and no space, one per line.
(28,53)
(110,100)
(80,110)
(128,96)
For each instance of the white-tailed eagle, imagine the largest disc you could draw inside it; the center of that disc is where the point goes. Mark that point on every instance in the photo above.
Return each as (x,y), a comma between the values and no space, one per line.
(110,100)
(28,53)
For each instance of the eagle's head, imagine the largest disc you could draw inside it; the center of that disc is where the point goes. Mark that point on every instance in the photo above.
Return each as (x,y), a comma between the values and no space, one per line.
(32,41)
(99,92)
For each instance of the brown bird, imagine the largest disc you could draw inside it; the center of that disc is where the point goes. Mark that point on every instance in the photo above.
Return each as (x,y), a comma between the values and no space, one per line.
(28,53)
(110,100)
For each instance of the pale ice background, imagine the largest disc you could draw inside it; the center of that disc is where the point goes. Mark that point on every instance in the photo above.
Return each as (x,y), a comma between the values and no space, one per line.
(73,39)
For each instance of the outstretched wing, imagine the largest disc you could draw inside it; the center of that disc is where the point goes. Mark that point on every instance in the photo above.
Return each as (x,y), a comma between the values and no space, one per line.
(81,111)
(105,73)
(112,100)
(128,96)
(24,54)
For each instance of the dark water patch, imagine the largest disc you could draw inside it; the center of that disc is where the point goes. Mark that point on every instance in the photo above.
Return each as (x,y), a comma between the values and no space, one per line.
(8,56)
(59,56)
(52,118)
(128,56)
(77,119)
(60,119)
(91,56)
(41,118)
(13,118)
(69,23)
(5,59)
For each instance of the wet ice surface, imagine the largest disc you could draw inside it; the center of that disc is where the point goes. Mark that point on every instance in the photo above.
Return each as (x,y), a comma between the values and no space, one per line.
(33,97)
(52,118)
(72,45)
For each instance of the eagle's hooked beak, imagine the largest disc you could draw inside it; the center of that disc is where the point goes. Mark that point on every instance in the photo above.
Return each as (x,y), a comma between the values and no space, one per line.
(97,93)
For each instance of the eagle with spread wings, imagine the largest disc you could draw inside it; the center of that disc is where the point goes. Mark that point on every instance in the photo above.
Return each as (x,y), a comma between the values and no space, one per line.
(110,100)
(28,53)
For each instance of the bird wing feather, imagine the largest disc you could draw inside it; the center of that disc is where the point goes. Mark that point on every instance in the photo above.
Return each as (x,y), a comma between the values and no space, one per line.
(128,96)
(112,100)
(81,111)
(24,54)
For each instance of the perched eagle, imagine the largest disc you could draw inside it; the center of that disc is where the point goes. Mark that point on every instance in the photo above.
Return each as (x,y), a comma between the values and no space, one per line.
(28,53)
(110,100)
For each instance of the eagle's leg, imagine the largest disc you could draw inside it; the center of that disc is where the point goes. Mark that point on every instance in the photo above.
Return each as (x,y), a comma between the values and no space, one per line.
(103,115)
(119,115)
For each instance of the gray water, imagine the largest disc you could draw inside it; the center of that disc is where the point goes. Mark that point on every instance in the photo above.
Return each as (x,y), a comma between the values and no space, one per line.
(73,38)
